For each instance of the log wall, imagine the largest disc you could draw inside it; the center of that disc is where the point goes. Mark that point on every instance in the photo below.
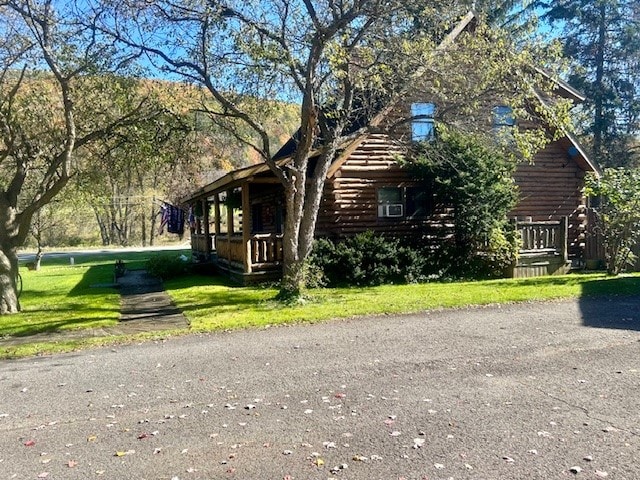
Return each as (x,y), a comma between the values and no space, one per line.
(350,203)
(551,188)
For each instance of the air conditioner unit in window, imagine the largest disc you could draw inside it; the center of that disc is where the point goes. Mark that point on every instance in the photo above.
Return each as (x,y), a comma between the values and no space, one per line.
(391,210)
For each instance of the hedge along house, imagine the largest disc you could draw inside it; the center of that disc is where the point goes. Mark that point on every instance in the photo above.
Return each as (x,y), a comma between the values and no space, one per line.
(239,218)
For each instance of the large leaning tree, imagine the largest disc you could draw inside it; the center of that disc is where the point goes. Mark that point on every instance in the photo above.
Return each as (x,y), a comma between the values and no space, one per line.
(54,100)
(339,60)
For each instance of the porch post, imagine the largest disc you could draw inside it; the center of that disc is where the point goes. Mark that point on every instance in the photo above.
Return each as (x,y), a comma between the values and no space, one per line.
(564,238)
(246,227)
(207,239)
(229,213)
(216,213)
(229,224)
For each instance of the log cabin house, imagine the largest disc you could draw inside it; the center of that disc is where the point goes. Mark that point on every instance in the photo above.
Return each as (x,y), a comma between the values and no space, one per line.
(238,219)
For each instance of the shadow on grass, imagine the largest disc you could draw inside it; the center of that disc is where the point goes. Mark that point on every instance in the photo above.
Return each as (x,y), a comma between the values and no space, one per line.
(56,326)
(95,275)
(230,295)
(611,303)
(57,302)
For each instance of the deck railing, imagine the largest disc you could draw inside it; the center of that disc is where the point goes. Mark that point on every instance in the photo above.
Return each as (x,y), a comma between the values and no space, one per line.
(548,237)
(264,250)
(229,248)
(201,244)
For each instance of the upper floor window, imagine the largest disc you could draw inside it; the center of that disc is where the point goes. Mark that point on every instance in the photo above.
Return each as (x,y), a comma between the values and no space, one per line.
(503,117)
(422,125)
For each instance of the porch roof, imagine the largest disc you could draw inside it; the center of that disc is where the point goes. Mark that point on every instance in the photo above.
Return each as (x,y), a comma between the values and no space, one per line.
(232,179)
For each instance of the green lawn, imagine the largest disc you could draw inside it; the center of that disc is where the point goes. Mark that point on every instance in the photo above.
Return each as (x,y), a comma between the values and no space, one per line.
(62,297)
(213,304)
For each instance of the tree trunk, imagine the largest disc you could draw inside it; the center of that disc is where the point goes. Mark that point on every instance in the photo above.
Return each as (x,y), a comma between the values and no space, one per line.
(9,301)
(293,266)
(152,226)
(303,205)
(104,231)
(38,260)
(143,227)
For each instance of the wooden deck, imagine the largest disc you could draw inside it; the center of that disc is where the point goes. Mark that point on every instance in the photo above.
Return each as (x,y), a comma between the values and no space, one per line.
(543,250)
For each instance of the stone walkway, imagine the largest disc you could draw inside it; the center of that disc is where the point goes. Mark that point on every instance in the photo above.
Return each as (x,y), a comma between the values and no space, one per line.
(144,307)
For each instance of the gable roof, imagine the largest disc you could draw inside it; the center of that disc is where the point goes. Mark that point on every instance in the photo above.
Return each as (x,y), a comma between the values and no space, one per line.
(284,154)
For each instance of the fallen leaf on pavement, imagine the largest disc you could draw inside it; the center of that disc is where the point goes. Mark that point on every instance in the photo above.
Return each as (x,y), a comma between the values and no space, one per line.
(122,454)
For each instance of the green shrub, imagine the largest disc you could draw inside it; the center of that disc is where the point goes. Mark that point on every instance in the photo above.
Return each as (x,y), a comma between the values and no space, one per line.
(617,214)
(475,179)
(367,259)
(168,266)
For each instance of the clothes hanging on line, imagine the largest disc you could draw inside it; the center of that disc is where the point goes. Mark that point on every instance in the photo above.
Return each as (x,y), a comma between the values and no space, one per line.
(173,218)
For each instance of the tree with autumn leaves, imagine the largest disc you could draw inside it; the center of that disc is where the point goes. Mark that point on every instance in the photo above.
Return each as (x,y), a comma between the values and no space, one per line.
(50,108)
(339,61)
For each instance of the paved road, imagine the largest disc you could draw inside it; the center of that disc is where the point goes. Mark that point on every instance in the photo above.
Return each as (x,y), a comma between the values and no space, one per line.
(27,256)
(517,392)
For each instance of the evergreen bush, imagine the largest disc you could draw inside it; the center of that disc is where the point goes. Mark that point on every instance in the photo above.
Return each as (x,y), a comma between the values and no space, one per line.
(367,259)
(168,266)
(475,178)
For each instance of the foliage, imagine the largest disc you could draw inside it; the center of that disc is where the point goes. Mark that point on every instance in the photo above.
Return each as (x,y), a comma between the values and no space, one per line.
(54,101)
(367,259)
(168,266)
(474,179)
(602,37)
(618,214)
(486,69)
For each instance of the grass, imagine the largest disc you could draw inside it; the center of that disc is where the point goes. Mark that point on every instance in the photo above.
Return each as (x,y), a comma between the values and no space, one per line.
(64,298)
(213,304)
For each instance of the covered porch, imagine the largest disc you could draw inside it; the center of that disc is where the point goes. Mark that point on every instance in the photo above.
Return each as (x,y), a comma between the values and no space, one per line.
(236,226)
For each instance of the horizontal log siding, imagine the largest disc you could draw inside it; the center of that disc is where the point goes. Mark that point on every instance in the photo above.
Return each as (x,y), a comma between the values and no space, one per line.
(550,188)
(350,203)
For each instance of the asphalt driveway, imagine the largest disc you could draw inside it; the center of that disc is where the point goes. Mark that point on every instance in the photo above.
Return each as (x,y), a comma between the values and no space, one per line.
(529,391)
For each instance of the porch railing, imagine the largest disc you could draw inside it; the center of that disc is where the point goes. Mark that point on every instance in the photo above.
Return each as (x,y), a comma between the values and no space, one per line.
(548,237)
(263,251)
(229,248)
(201,244)
(266,249)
